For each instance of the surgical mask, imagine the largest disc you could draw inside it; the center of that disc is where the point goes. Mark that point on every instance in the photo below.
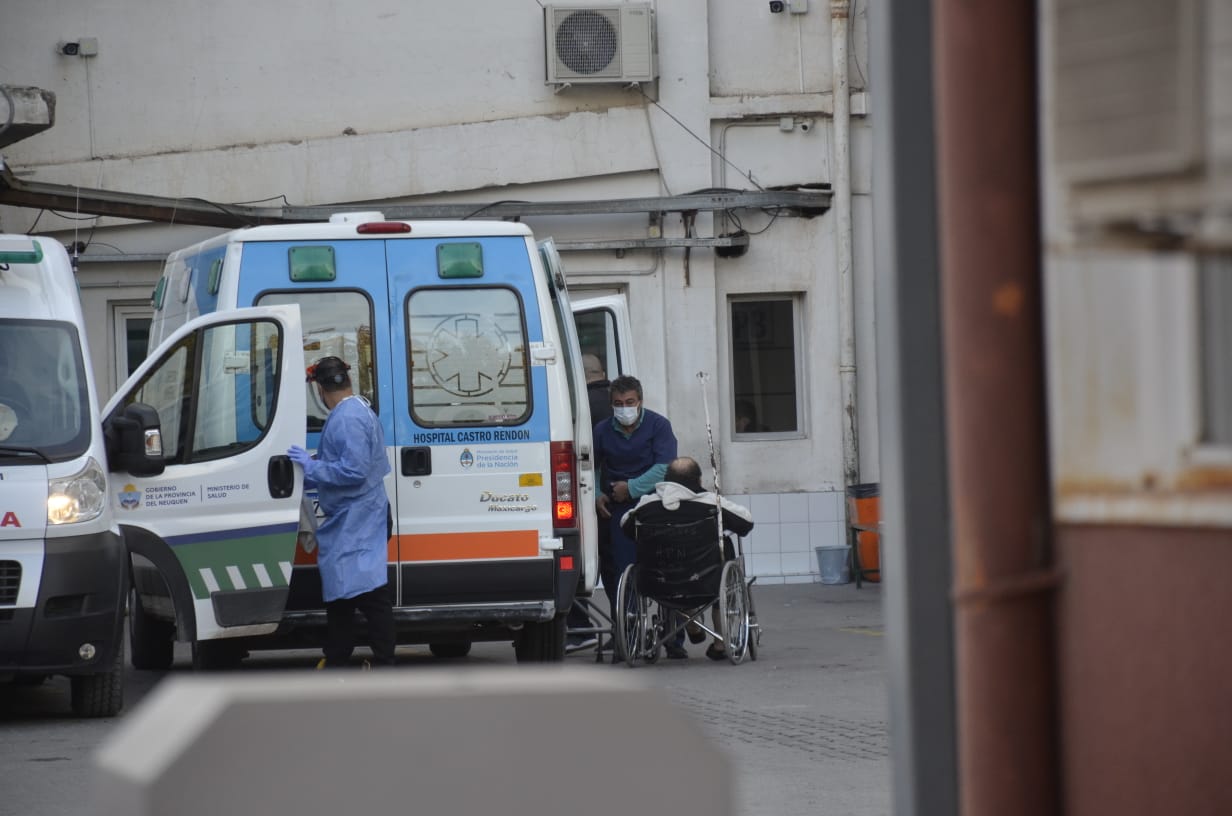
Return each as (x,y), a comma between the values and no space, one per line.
(626,415)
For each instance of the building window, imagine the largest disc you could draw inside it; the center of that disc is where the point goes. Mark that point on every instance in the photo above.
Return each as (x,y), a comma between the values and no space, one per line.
(132,339)
(765,366)
(1215,304)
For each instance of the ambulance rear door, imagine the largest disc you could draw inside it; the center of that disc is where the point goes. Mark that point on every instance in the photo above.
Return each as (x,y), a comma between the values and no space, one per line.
(583,425)
(472,423)
(341,288)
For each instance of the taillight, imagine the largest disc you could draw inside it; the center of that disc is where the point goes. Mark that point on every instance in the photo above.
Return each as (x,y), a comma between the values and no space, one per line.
(382,227)
(564,485)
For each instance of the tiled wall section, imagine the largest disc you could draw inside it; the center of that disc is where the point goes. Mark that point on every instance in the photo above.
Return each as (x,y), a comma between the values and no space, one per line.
(787,527)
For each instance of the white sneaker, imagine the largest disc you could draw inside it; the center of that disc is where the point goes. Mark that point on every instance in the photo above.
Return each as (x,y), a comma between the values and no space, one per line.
(576,643)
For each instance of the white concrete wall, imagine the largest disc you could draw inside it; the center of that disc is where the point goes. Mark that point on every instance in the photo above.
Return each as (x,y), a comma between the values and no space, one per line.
(327,102)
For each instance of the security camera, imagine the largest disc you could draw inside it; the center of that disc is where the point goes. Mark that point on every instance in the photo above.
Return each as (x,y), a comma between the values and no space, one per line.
(70,49)
(777,6)
(806,126)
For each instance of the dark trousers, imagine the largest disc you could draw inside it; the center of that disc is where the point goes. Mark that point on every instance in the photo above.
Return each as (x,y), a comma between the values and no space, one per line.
(377,607)
(619,553)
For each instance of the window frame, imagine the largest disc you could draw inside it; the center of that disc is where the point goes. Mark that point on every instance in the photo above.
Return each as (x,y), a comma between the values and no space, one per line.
(312,400)
(121,313)
(191,394)
(796,299)
(528,369)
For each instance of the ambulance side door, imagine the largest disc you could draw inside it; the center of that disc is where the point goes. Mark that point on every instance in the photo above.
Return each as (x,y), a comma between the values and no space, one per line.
(604,330)
(219,522)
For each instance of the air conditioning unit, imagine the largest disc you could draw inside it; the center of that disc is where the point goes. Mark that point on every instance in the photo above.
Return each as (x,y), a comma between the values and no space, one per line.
(592,44)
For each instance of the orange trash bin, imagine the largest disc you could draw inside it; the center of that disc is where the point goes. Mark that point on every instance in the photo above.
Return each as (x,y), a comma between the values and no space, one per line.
(864,511)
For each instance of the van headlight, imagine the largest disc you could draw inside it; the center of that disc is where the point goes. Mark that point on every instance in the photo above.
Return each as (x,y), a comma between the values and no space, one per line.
(77,498)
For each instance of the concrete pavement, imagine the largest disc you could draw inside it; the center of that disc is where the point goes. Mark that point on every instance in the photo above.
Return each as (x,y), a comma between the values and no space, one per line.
(805,726)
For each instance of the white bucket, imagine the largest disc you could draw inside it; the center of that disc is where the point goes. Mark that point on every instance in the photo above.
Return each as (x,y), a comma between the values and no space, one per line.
(835,564)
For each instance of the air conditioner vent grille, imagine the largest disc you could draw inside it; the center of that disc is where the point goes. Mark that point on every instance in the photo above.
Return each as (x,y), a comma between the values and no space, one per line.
(587,42)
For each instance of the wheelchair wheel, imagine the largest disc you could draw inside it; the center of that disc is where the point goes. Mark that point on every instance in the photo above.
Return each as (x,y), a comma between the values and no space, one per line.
(754,626)
(733,611)
(652,630)
(630,622)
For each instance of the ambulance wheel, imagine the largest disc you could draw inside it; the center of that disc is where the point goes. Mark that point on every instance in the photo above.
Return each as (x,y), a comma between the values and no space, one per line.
(216,655)
(450,650)
(151,641)
(102,694)
(542,642)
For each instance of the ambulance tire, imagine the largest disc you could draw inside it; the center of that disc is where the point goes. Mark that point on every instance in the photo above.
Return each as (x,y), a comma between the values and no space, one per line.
(102,694)
(216,655)
(542,642)
(450,650)
(151,641)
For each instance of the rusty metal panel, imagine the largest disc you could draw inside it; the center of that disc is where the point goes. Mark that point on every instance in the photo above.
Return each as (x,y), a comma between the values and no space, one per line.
(1143,670)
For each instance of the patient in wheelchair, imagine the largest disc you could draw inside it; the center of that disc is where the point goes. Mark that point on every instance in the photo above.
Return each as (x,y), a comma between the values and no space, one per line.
(680,514)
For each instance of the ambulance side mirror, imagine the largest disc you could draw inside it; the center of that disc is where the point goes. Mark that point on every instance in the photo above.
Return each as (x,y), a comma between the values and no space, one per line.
(135,441)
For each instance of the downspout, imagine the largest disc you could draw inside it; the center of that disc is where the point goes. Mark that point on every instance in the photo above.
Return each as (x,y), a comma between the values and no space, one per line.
(988,204)
(841,207)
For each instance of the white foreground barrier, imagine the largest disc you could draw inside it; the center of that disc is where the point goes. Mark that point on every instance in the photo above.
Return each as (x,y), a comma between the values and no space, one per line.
(539,741)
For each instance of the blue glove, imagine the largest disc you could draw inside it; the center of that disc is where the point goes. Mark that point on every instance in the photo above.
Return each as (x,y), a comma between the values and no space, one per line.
(299,456)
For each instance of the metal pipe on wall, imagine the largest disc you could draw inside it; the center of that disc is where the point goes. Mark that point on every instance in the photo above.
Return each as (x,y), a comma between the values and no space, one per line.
(990,248)
(841,207)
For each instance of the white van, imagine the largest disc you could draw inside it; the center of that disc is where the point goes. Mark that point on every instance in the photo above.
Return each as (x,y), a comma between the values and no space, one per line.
(63,570)
(461,336)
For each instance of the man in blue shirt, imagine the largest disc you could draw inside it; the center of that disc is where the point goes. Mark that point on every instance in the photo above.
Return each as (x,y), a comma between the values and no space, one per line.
(349,472)
(632,451)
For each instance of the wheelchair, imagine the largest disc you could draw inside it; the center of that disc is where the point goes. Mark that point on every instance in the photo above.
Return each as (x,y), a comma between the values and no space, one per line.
(679,574)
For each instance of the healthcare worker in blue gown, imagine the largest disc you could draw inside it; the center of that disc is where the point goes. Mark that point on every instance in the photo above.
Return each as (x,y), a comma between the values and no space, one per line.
(349,473)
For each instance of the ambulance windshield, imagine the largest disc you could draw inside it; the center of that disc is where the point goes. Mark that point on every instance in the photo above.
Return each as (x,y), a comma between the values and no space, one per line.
(44,401)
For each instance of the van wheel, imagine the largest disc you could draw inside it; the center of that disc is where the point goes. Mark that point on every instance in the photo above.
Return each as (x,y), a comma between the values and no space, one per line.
(151,641)
(100,695)
(542,642)
(216,655)
(449,650)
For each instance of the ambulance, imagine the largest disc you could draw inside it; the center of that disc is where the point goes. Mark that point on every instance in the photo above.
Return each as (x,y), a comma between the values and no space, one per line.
(63,566)
(461,336)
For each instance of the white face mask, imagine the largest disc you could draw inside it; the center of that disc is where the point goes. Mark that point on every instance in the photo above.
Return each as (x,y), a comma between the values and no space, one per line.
(626,415)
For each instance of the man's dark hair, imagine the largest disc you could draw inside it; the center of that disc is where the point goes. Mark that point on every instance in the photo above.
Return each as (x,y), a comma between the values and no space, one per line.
(625,383)
(684,470)
(331,373)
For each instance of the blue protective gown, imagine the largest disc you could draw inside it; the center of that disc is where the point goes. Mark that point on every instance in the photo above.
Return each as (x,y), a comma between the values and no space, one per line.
(349,472)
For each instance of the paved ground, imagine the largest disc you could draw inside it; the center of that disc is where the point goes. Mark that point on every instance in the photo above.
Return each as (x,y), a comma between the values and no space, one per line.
(804,726)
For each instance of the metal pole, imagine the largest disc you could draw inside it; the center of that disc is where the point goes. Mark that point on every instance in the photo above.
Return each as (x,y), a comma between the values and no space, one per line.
(911,423)
(987,155)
